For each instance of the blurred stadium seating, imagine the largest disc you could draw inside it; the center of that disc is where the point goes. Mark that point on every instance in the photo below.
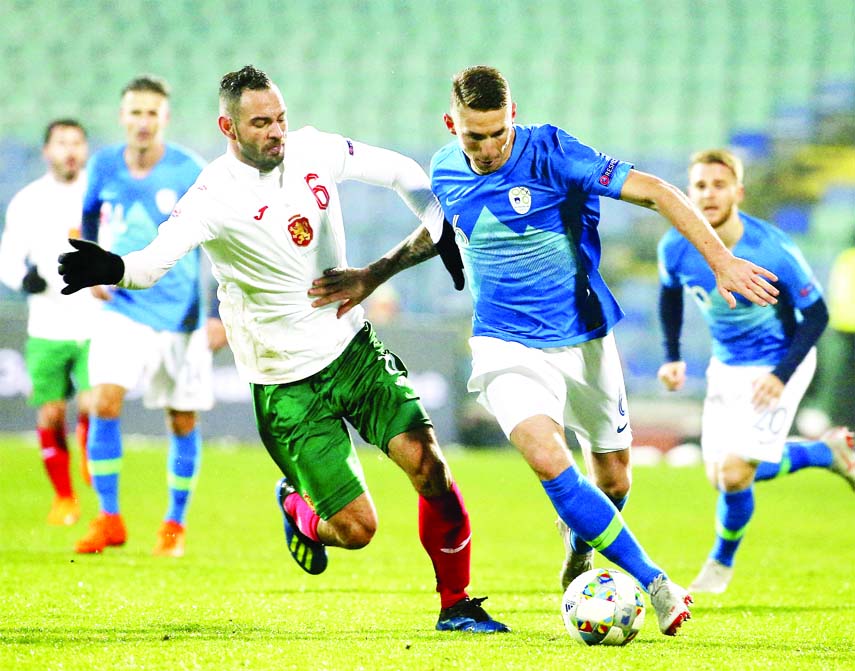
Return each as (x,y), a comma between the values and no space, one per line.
(638,78)
(646,80)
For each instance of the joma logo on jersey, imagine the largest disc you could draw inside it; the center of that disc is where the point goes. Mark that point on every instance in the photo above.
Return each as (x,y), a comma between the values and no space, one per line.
(300,230)
(520,198)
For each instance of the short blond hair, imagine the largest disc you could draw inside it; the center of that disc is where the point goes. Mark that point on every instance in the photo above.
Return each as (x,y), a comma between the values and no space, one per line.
(726,158)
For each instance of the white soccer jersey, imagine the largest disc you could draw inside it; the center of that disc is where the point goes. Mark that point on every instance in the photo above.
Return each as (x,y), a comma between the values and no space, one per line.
(268,235)
(39,220)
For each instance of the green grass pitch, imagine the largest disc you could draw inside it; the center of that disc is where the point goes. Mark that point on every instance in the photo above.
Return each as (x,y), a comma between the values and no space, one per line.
(237,600)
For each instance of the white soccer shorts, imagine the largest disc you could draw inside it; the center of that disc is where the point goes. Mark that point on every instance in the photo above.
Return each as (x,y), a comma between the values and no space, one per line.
(731,424)
(580,387)
(173,369)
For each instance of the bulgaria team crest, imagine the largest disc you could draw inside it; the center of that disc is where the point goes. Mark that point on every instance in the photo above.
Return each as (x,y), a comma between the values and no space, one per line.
(300,230)
(520,198)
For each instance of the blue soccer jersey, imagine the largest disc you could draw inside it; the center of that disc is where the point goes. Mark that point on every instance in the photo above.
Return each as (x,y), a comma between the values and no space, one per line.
(529,237)
(749,334)
(123,212)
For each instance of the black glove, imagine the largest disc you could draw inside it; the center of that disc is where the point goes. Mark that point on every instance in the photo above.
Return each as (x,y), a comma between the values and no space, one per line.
(450,255)
(33,283)
(89,266)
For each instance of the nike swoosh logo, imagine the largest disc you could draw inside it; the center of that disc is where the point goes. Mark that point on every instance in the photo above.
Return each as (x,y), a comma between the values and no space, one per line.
(450,201)
(621,428)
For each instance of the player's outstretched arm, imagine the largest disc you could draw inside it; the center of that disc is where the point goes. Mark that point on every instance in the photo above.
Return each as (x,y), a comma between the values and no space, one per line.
(732,273)
(350,286)
(89,266)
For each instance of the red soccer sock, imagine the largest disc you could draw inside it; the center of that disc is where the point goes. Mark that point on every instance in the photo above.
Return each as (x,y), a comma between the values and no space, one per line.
(55,458)
(82,433)
(306,518)
(445,534)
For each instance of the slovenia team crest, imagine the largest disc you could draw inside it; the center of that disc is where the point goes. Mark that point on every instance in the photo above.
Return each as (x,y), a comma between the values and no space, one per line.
(520,198)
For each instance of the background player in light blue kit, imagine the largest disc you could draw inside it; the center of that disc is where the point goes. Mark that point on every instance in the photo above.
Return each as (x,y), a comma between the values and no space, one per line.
(524,203)
(153,337)
(762,360)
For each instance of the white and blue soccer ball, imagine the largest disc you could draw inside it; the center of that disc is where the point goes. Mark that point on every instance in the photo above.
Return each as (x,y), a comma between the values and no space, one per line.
(603,607)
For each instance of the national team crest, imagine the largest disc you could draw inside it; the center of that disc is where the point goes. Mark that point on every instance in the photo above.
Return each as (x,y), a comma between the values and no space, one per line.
(459,236)
(300,230)
(520,198)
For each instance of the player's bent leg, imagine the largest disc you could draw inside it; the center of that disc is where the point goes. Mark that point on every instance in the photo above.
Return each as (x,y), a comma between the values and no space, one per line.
(734,510)
(842,445)
(585,508)
(309,553)
(352,527)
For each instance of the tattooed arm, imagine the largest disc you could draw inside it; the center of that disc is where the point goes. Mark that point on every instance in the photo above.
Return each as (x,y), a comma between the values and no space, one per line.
(350,286)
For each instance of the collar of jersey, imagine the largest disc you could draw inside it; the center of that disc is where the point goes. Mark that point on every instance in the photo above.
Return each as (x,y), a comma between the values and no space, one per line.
(244,171)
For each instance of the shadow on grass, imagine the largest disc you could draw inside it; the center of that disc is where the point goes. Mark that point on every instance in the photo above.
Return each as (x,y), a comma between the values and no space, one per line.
(179,633)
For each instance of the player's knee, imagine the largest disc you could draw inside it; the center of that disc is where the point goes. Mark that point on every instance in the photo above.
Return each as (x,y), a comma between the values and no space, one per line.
(51,416)
(735,477)
(356,533)
(181,422)
(107,401)
(617,489)
(108,408)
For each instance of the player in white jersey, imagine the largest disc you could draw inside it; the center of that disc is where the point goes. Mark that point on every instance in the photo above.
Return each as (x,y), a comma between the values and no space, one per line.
(268,215)
(762,360)
(39,220)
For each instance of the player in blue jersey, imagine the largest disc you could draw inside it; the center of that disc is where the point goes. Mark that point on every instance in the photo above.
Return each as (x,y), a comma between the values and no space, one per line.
(152,338)
(762,360)
(524,204)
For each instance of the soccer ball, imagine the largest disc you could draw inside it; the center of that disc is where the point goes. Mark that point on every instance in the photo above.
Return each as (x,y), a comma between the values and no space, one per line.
(603,607)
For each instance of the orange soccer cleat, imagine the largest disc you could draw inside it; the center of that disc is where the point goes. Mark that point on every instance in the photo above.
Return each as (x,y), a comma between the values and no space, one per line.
(65,511)
(106,529)
(170,540)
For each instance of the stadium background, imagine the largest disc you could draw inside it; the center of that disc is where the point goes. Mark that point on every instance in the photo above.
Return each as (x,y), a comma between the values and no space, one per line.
(647,81)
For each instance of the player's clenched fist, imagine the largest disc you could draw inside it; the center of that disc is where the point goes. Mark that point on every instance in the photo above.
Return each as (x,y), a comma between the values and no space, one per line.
(672,375)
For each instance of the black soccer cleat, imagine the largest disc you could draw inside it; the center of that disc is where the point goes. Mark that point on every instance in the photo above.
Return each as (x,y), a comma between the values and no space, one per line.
(311,556)
(468,615)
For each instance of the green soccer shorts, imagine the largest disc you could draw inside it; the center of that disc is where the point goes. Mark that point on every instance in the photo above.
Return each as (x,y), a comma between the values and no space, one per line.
(302,423)
(58,369)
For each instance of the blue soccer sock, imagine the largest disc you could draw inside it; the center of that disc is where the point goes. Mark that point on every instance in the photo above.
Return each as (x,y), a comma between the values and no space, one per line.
(182,468)
(587,511)
(581,547)
(796,456)
(104,445)
(733,512)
